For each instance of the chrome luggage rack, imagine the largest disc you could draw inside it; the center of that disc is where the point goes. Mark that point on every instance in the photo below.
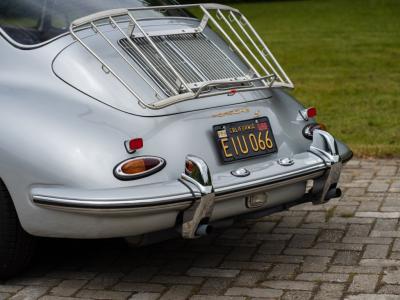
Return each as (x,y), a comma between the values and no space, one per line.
(174,76)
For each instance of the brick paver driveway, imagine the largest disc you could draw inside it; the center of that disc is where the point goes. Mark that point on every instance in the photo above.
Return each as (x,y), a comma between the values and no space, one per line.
(349,248)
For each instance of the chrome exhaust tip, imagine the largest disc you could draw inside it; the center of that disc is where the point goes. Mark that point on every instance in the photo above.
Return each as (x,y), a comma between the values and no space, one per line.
(204,230)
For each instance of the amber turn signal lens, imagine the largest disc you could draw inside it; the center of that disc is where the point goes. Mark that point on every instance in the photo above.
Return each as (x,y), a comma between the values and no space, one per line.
(139,167)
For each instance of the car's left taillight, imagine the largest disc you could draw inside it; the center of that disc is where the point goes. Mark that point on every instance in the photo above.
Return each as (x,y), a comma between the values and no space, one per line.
(139,167)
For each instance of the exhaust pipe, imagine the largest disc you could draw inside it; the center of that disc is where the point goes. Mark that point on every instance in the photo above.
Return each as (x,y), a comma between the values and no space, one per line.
(333,193)
(204,230)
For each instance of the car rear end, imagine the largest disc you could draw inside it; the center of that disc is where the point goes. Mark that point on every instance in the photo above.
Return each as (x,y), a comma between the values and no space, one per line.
(196,129)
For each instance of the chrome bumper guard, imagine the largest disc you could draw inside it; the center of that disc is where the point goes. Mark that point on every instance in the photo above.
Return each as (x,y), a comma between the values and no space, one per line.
(195,220)
(197,217)
(325,188)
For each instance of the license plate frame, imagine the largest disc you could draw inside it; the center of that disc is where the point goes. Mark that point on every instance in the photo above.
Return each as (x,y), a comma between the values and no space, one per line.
(234,138)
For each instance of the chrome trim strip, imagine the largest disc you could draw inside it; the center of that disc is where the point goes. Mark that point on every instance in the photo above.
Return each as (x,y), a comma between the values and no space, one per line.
(101,204)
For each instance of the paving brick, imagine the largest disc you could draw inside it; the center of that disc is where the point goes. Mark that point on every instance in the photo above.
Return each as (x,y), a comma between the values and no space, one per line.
(373,297)
(391,277)
(323,277)
(389,289)
(347,258)
(283,271)
(357,230)
(297,295)
(215,286)
(380,262)
(331,236)
(272,248)
(47,297)
(345,211)
(310,252)
(249,278)
(254,292)
(58,274)
(178,292)
(390,234)
(68,287)
(268,237)
(315,264)
(302,241)
(4,296)
(239,253)
(355,269)
(169,279)
(142,274)
(315,217)
(278,258)
(289,285)
(330,291)
(380,215)
(139,287)
(385,224)
(363,284)
(208,260)
(145,296)
(290,221)
(245,265)
(205,272)
(376,251)
(264,227)
(102,294)
(7,288)
(35,281)
(367,240)
(352,220)
(30,293)
(204,297)
(339,246)
(104,281)
(377,187)
(296,231)
(396,246)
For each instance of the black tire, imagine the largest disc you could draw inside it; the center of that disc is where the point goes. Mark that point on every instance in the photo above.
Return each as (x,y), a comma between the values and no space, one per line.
(16,246)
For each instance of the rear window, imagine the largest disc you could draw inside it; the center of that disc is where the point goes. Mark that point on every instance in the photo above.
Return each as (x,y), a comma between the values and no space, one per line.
(31,22)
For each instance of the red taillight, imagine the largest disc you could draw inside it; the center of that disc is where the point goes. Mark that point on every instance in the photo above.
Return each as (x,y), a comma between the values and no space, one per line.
(189,167)
(134,144)
(309,129)
(311,112)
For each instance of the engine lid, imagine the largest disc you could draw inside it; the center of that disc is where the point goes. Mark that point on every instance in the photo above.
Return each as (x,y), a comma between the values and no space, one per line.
(80,69)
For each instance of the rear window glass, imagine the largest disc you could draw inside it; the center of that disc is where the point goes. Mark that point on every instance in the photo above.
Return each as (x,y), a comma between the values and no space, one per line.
(31,22)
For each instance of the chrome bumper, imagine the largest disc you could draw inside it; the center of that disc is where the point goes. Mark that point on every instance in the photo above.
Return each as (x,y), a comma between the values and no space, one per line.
(197,218)
(195,194)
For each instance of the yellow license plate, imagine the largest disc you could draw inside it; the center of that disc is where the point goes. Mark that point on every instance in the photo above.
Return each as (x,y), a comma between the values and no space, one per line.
(245,139)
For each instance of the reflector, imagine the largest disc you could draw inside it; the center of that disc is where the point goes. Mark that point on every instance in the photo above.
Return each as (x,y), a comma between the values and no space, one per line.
(311,112)
(134,144)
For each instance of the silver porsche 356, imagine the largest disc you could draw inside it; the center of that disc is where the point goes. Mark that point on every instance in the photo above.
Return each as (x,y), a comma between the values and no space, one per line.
(121,118)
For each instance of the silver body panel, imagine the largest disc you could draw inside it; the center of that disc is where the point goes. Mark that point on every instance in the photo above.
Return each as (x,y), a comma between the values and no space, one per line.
(63,124)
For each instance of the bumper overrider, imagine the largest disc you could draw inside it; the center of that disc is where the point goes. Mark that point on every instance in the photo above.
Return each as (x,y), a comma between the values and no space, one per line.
(198,198)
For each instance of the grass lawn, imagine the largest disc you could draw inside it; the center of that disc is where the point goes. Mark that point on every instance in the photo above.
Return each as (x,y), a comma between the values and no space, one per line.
(344,58)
